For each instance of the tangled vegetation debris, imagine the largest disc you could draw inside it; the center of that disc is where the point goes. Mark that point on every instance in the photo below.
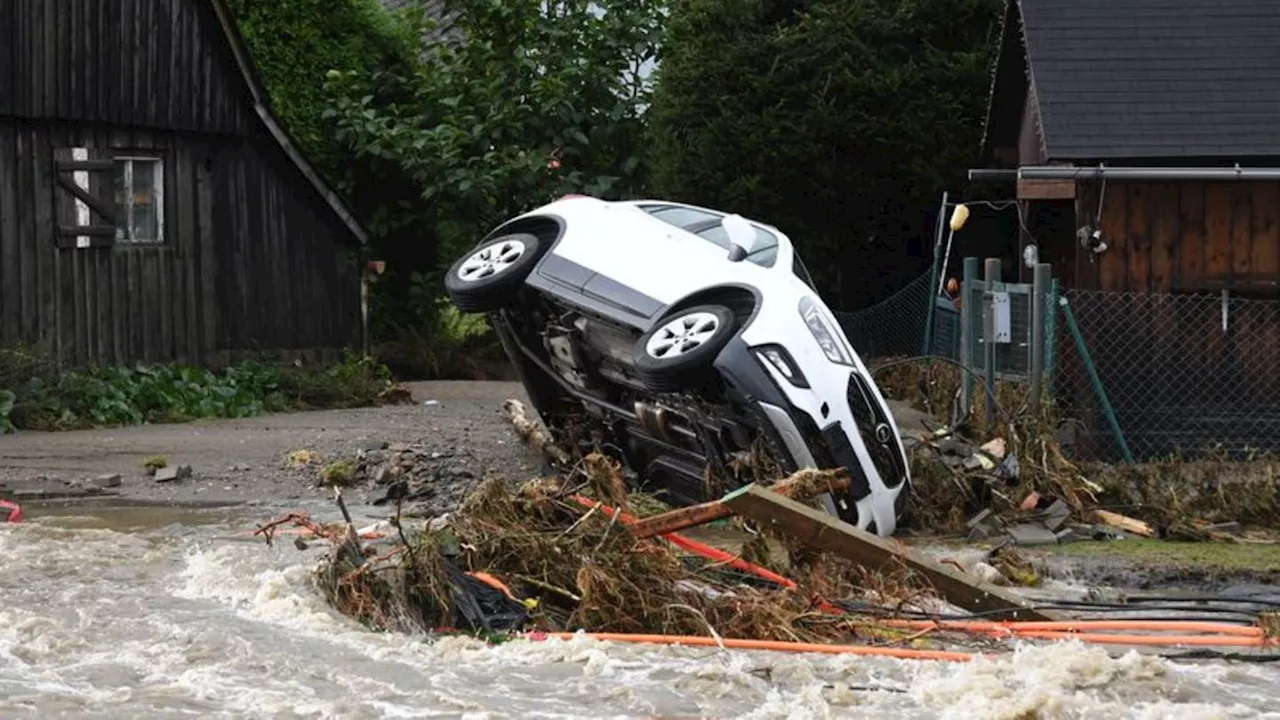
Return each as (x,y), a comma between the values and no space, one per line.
(952,479)
(536,559)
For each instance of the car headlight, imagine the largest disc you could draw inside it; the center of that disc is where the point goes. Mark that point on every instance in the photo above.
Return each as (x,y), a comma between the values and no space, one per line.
(778,357)
(822,333)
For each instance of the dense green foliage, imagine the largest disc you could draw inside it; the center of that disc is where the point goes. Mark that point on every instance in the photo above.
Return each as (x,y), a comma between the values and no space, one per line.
(839,121)
(296,42)
(534,104)
(36,397)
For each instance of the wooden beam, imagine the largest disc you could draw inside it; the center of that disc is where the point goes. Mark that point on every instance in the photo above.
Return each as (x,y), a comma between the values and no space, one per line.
(1046,189)
(802,485)
(1124,522)
(824,532)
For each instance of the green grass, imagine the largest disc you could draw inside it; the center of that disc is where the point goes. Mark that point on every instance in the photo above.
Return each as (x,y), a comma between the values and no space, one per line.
(1252,557)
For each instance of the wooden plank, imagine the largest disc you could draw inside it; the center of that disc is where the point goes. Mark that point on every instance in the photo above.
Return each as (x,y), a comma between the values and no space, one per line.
(800,485)
(1191,244)
(1113,268)
(1217,212)
(1265,256)
(205,282)
(46,218)
(29,242)
(1165,234)
(1046,189)
(1138,247)
(1241,230)
(828,533)
(1124,522)
(10,237)
(86,165)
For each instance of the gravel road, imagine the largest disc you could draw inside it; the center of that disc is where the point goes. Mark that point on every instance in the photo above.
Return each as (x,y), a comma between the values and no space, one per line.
(246,460)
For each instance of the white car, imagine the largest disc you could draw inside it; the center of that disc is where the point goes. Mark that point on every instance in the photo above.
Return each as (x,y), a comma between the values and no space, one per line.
(684,341)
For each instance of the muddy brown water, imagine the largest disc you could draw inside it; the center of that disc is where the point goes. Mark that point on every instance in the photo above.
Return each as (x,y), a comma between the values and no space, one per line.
(168,612)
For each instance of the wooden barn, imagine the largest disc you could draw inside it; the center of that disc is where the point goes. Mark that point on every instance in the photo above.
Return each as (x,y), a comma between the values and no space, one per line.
(151,206)
(1142,138)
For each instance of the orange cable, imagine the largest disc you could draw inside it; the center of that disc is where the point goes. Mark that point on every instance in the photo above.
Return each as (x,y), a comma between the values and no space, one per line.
(1184,626)
(775,645)
(693,546)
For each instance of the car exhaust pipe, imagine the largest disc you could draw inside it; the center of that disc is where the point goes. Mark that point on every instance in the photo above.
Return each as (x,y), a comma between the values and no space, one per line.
(654,421)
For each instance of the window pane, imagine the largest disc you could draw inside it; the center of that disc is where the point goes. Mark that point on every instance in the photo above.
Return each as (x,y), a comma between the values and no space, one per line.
(765,253)
(679,216)
(146,219)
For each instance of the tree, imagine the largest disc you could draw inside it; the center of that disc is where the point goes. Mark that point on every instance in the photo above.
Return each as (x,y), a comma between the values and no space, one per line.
(541,99)
(839,121)
(295,43)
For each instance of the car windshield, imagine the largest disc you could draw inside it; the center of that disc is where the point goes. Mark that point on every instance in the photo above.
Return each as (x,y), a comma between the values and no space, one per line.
(707,226)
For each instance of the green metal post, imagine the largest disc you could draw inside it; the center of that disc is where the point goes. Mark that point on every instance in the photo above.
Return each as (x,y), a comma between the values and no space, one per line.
(1097,381)
(968,334)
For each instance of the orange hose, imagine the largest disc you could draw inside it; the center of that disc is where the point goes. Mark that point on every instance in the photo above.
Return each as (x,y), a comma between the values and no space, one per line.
(775,645)
(693,546)
(1110,639)
(1020,627)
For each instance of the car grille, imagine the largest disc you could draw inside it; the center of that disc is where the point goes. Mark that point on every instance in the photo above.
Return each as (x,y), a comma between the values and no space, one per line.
(876,431)
(842,453)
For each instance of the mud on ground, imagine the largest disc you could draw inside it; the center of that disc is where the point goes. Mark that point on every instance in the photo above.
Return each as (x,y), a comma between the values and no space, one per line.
(248,460)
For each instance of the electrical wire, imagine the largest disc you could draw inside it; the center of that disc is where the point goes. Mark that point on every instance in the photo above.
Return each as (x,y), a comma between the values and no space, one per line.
(990,391)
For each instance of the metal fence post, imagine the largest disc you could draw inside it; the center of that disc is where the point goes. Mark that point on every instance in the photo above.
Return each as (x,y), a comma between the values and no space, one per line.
(967,335)
(926,347)
(1098,389)
(991,275)
(1039,284)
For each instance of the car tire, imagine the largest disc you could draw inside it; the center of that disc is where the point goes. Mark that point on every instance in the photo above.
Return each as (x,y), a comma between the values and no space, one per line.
(678,352)
(490,275)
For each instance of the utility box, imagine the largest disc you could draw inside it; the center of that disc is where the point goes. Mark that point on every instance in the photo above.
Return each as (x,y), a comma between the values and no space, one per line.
(1003,317)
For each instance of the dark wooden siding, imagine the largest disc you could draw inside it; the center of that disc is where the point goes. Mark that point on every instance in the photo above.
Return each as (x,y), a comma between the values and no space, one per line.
(251,260)
(1168,237)
(138,63)
(1174,373)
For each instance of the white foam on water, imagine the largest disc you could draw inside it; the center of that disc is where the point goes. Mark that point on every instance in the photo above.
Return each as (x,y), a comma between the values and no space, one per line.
(105,624)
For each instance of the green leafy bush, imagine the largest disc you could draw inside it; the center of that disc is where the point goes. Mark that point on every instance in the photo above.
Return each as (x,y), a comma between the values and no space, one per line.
(296,42)
(115,396)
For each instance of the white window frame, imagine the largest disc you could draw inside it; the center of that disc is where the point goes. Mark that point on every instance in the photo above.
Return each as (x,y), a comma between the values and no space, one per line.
(124,215)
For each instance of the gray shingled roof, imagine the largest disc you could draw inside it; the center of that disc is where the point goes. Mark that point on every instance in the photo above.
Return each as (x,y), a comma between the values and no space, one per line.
(1155,78)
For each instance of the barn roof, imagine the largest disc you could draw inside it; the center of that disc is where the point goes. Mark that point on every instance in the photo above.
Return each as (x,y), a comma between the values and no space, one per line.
(261,105)
(1142,78)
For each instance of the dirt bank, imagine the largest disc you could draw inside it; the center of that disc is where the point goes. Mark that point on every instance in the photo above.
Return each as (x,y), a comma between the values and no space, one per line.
(247,460)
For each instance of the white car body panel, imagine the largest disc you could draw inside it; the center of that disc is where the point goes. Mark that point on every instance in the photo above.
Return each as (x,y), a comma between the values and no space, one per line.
(604,237)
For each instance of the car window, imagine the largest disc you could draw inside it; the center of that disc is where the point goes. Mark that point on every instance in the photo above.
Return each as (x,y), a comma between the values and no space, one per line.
(802,272)
(765,253)
(681,217)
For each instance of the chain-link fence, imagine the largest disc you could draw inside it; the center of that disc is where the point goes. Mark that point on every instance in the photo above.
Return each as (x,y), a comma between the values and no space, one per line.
(897,325)
(1182,374)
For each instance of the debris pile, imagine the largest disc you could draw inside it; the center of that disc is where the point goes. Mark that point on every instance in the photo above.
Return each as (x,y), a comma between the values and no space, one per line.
(544,557)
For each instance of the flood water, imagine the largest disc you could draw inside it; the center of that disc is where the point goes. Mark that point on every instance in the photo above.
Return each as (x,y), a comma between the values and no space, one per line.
(159,613)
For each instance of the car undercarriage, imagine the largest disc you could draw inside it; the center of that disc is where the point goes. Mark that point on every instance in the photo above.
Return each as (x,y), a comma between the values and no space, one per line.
(683,447)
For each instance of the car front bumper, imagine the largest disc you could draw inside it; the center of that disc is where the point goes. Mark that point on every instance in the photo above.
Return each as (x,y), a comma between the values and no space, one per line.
(827,411)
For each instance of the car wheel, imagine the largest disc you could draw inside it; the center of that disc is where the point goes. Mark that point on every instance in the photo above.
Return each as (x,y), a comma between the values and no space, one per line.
(677,353)
(488,278)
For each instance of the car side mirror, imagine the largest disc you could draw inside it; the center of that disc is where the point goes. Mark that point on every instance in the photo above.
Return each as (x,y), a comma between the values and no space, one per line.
(742,237)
